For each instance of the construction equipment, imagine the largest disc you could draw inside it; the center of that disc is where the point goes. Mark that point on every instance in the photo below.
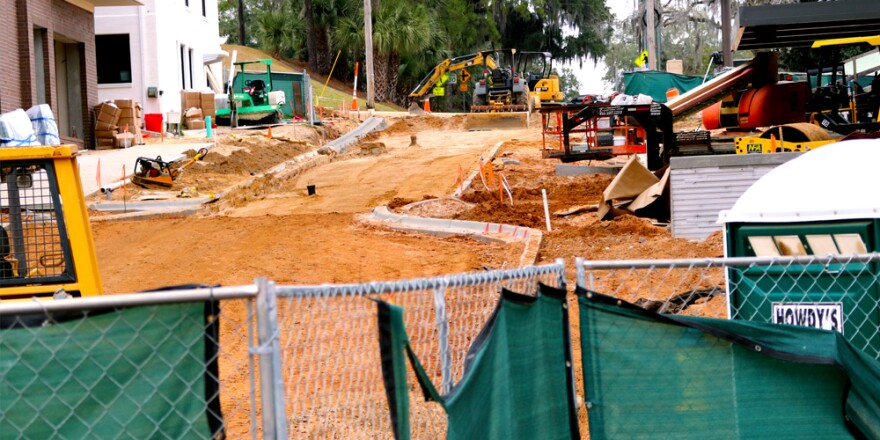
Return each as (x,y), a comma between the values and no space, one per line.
(257,103)
(837,104)
(46,246)
(797,137)
(503,88)
(826,98)
(158,173)
(543,84)
(434,83)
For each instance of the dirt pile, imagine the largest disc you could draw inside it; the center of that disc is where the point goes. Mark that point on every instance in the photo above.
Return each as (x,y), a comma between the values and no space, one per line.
(424,123)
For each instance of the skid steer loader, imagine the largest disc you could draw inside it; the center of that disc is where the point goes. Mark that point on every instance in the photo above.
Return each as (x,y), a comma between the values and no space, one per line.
(46,246)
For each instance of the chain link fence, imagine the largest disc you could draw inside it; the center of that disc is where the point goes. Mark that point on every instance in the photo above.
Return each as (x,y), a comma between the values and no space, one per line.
(267,361)
(332,367)
(172,364)
(838,293)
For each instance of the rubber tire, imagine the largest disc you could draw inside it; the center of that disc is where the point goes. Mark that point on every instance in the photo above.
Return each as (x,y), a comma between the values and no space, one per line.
(524,99)
(478,99)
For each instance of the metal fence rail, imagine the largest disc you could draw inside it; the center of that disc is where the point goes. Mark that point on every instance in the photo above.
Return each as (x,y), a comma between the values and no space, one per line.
(835,292)
(139,356)
(329,342)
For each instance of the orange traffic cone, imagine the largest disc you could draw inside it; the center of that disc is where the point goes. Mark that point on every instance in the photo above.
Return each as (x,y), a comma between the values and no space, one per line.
(427,105)
(269,133)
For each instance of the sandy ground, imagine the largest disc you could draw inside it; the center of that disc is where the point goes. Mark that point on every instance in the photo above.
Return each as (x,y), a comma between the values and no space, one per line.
(274,229)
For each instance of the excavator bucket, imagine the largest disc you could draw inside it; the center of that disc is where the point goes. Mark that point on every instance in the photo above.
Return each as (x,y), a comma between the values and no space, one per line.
(497,121)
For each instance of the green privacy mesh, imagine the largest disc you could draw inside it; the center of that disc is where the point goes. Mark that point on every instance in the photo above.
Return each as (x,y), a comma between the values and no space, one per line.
(517,382)
(662,376)
(140,372)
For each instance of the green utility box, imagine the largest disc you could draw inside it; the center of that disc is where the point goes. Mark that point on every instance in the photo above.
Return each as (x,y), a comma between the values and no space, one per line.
(815,205)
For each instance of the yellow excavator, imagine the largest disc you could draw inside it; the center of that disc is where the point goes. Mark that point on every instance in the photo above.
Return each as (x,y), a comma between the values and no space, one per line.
(434,84)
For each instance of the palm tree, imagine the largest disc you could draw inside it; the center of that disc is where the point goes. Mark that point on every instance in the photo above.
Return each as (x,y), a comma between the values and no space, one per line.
(401,29)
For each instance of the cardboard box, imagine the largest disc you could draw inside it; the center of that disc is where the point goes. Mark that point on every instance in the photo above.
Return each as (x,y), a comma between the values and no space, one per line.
(107,112)
(195,124)
(126,113)
(124,103)
(206,100)
(105,134)
(124,140)
(104,126)
(209,112)
(190,99)
(193,113)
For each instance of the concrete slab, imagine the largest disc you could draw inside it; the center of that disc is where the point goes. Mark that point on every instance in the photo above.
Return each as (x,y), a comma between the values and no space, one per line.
(112,161)
(575,170)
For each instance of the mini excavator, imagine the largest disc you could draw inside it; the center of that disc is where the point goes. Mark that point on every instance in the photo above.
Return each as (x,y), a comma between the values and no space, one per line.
(153,173)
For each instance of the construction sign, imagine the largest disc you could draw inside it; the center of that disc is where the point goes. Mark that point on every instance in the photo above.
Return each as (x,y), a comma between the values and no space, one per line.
(642,59)
(465,76)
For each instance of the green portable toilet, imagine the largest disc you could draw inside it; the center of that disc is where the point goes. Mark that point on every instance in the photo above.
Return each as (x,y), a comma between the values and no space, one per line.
(825,202)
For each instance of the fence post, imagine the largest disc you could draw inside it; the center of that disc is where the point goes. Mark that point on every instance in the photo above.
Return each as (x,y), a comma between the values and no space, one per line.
(581,276)
(443,338)
(271,374)
(561,275)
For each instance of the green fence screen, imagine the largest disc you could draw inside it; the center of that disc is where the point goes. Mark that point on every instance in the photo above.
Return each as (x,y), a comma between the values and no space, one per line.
(143,372)
(517,384)
(662,376)
(655,84)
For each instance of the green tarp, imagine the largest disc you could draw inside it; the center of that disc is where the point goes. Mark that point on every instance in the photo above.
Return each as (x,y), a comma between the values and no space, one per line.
(655,84)
(665,376)
(517,382)
(143,372)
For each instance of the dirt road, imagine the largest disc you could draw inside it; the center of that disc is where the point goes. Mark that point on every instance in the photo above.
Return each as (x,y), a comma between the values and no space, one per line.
(292,238)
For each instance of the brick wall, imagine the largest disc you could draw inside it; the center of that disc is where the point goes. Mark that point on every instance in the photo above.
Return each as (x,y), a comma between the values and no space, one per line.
(63,22)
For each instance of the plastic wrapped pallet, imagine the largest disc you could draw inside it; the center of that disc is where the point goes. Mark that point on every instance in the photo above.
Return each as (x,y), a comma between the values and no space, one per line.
(16,130)
(45,127)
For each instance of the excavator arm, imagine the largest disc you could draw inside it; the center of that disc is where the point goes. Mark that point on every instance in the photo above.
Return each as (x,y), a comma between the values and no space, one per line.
(449,65)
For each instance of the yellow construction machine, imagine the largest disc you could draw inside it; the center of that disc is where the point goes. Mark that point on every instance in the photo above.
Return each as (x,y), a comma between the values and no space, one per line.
(434,84)
(543,84)
(46,246)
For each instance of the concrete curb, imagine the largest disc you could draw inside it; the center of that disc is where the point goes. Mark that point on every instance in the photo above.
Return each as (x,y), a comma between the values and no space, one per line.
(145,215)
(342,143)
(487,231)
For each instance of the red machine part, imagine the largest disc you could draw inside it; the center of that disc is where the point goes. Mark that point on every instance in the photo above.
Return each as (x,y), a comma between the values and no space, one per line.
(772,104)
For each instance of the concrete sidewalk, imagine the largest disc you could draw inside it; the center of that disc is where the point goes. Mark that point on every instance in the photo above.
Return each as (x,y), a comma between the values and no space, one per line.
(112,161)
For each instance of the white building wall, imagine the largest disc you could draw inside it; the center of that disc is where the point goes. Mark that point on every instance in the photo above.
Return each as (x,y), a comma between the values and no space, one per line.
(157,31)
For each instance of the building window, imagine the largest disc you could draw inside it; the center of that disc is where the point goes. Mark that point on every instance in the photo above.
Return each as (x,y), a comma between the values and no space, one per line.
(182,67)
(114,58)
(191,83)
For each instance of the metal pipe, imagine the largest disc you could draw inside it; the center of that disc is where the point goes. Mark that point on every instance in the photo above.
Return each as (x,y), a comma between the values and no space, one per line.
(109,188)
(127,300)
(458,280)
(728,262)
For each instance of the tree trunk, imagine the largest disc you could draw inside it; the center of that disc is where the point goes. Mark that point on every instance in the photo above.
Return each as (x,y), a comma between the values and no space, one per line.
(311,31)
(381,80)
(322,54)
(393,75)
(242,40)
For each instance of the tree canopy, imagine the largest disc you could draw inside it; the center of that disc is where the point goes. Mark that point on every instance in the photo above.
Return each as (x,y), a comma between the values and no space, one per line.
(411,36)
